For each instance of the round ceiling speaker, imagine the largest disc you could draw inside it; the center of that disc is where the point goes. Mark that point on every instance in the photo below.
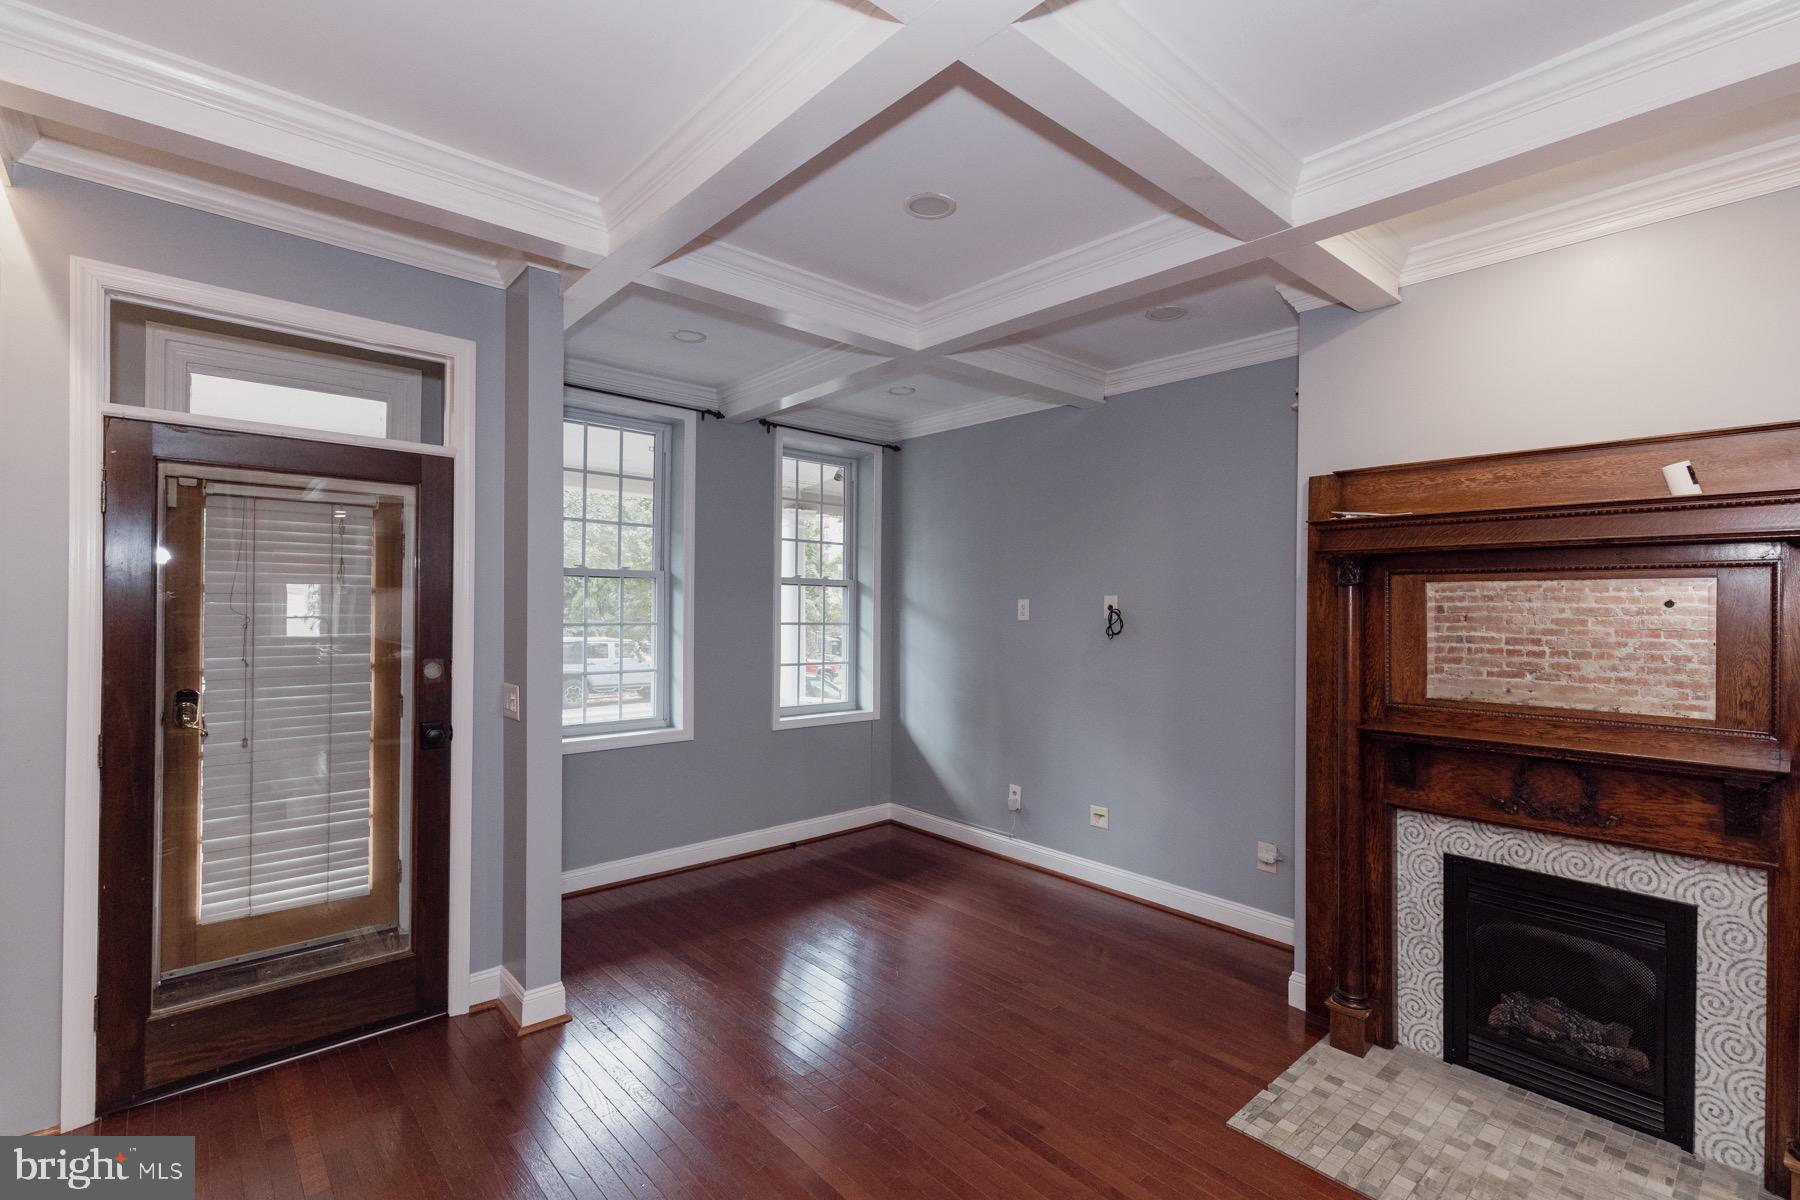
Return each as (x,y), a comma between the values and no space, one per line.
(692,337)
(930,206)
(1165,312)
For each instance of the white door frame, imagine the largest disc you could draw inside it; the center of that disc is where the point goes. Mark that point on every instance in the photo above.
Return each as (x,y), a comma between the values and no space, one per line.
(92,285)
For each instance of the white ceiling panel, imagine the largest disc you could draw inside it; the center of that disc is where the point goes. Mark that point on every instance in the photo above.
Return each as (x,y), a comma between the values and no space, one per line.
(574,93)
(1124,337)
(1024,188)
(637,331)
(1319,72)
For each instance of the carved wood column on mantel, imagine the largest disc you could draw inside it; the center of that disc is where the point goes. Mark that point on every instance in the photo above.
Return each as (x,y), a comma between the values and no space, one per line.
(1351,1026)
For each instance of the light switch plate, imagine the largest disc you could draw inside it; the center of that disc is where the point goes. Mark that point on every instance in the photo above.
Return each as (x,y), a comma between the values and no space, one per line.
(509,701)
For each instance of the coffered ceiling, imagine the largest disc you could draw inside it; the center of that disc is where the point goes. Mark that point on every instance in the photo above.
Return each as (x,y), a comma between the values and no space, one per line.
(724,186)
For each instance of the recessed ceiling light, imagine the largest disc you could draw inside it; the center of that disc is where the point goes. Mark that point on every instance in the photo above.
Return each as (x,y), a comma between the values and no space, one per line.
(930,206)
(692,337)
(902,390)
(1165,312)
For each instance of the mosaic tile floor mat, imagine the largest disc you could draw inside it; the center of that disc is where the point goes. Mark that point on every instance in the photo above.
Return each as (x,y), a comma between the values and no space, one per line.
(1398,1124)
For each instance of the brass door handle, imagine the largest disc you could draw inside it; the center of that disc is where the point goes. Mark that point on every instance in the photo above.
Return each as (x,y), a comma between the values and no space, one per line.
(186,712)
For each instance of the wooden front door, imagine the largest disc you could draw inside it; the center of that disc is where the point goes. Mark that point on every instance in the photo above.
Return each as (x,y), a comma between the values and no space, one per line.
(274,751)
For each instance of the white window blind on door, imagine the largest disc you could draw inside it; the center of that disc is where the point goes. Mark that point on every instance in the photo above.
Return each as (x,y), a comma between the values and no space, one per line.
(286,642)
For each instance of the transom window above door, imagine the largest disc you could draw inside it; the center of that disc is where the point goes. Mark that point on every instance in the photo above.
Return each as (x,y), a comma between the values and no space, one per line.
(238,376)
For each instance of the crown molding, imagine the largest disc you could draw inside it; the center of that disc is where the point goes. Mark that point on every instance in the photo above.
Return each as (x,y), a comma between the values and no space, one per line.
(645,384)
(1208,360)
(253,208)
(1145,73)
(1301,300)
(999,408)
(1742,175)
(1129,254)
(85,65)
(852,425)
(815,47)
(1694,49)
(770,282)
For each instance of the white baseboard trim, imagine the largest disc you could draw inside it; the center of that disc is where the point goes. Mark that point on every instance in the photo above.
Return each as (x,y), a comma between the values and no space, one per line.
(533,1007)
(1216,909)
(1297,991)
(484,986)
(700,853)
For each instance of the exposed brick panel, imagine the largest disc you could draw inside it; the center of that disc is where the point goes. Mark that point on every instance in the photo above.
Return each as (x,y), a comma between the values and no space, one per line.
(1646,646)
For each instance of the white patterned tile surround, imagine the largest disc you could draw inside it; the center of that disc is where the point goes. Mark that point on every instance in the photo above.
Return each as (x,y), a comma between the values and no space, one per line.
(1732,994)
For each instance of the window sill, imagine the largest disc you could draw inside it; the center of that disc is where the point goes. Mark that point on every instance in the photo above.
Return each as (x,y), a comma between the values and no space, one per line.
(831,718)
(621,741)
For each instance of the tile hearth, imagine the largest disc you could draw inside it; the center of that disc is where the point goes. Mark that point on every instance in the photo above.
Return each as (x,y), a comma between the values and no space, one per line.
(1399,1124)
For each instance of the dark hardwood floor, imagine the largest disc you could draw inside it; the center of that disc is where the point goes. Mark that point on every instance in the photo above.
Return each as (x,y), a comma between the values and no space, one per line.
(876,1015)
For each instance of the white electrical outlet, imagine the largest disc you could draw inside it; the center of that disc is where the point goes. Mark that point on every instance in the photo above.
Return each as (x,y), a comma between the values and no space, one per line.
(1015,797)
(1111,603)
(1024,610)
(1268,854)
(1098,817)
(509,701)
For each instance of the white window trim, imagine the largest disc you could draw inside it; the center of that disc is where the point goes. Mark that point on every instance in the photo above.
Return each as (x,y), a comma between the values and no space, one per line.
(172,354)
(93,286)
(868,460)
(685,424)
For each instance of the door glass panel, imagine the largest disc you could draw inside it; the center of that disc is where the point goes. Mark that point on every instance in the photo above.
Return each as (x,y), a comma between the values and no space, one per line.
(286,662)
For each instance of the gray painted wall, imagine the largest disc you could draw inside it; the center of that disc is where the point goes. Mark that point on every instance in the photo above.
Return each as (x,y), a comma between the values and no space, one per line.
(1180,501)
(45,220)
(1679,326)
(737,774)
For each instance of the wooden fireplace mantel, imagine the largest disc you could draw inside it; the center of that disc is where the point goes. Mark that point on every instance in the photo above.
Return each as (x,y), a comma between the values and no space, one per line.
(1721,789)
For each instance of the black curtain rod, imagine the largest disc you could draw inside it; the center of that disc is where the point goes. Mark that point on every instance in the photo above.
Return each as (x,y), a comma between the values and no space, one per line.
(842,437)
(704,412)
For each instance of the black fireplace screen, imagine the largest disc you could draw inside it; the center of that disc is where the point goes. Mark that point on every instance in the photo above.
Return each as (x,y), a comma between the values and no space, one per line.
(1581,993)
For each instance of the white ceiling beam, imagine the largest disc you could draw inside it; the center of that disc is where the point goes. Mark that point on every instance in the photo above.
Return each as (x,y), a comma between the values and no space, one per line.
(1346,268)
(62,69)
(768,391)
(1021,371)
(816,378)
(1106,79)
(18,134)
(1695,62)
(807,381)
(905,58)
(1103,95)
(722,277)
(1728,36)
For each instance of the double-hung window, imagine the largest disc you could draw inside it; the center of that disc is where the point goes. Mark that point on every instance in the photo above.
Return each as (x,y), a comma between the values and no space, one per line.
(826,595)
(625,556)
